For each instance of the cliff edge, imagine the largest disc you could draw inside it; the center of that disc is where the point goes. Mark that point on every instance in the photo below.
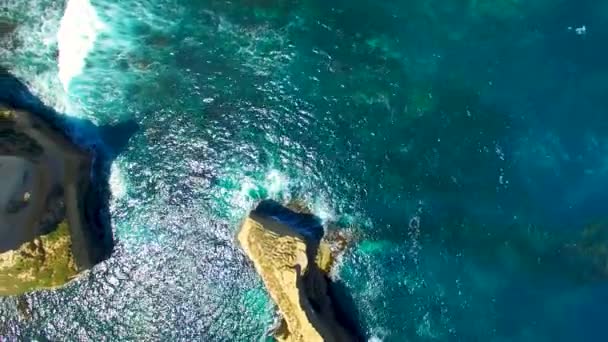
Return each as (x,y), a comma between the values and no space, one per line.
(45,239)
(285,249)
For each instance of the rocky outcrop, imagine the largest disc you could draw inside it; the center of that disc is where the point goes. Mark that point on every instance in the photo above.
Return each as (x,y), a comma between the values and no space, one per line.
(45,239)
(287,253)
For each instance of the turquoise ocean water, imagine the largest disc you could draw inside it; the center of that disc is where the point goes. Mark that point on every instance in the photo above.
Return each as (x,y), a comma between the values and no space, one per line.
(462,143)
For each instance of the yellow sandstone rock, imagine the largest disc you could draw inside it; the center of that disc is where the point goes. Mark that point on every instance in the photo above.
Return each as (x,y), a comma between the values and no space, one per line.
(43,263)
(324,259)
(281,261)
(299,287)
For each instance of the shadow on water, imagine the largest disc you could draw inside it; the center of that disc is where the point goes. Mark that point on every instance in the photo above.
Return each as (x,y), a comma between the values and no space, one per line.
(347,312)
(104,143)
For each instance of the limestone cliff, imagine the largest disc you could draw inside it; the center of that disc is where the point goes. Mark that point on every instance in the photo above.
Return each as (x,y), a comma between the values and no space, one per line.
(284,248)
(44,235)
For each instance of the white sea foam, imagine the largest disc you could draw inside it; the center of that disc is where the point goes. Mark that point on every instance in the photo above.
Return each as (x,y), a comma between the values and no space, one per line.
(117,181)
(379,334)
(247,185)
(323,210)
(45,86)
(276,182)
(28,52)
(278,186)
(78,30)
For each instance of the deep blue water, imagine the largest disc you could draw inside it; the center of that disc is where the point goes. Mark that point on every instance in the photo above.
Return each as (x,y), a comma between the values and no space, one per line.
(461,143)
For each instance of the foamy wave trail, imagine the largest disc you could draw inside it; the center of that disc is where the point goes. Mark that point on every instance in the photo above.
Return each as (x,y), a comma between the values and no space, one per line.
(49,46)
(241,191)
(76,37)
(111,56)
(276,182)
(118,184)
(29,51)
(375,339)
(273,185)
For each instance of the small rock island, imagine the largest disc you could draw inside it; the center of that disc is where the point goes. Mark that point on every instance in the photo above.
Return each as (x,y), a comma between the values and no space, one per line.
(46,238)
(287,252)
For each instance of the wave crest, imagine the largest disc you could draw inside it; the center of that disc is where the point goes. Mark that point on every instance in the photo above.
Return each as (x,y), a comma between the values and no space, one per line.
(78,30)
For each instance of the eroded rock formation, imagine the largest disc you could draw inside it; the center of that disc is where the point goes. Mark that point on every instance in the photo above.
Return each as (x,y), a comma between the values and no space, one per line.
(287,252)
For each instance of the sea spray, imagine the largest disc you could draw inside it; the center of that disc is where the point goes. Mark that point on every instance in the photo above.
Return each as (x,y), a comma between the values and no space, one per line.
(78,30)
